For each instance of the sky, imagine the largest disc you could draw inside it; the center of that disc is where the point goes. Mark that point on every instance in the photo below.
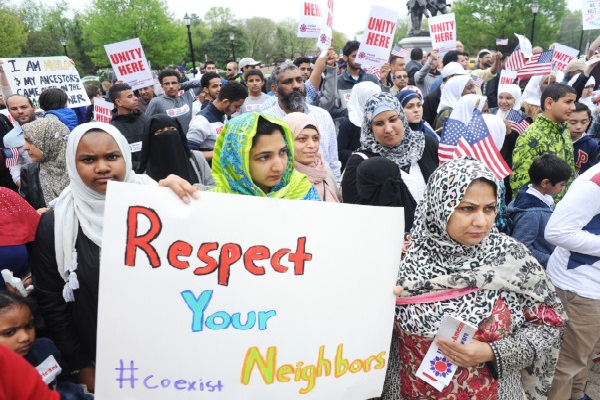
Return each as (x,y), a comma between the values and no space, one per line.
(347,19)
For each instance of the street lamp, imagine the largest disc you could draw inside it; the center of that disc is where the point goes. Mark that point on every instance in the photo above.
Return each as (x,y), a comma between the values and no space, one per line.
(63,41)
(232,38)
(188,21)
(535,7)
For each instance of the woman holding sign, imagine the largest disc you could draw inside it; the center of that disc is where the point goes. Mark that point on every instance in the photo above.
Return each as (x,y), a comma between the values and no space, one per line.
(66,252)
(459,266)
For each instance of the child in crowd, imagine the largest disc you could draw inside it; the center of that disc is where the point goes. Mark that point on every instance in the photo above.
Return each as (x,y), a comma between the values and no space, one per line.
(585,148)
(534,204)
(17,332)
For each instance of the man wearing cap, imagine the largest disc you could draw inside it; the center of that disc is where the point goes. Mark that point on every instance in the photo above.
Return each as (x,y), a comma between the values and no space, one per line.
(575,67)
(484,60)
(246,64)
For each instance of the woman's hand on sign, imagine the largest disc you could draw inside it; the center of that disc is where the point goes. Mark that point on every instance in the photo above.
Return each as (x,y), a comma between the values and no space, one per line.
(181,187)
(398,290)
(466,355)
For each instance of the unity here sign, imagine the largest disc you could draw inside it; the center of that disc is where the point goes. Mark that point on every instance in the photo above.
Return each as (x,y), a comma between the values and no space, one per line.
(241,297)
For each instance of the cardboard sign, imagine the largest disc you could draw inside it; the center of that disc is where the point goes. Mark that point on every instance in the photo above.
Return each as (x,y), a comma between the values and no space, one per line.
(30,76)
(326,34)
(507,77)
(241,297)
(562,56)
(590,13)
(103,110)
(309,24)
(442,29)
(129,63)
(378,39)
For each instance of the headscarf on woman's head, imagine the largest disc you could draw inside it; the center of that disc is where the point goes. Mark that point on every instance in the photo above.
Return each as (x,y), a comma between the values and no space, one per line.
(50,136)
(317,171)
(497,129)
(452,91)
(514,91)
(463,109)
(411,147)
(404,97)
(359,95)
(533,90)
(231,161)
(79,205)
(166,153)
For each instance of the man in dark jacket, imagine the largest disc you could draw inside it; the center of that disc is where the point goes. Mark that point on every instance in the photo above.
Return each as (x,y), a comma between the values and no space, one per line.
(414,65)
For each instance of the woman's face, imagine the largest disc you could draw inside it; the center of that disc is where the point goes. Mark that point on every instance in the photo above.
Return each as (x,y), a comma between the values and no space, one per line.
(34,152)
(414,111)
(268,160)
(474,216)
(469,88)
(505,101)
(547,81)
(17,331)
(587,91)
(388,128)
(99,160)
(306,146)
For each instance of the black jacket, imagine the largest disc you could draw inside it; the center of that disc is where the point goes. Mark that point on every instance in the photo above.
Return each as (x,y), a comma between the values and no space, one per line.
(30,189)
(134,127)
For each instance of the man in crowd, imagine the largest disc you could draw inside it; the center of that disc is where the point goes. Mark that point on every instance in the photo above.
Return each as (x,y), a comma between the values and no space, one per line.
(415,64)
(211,86)
(231,74)
(484,60)
(303,64)
(210,66)
(22,110)
(146,94)
(400,82)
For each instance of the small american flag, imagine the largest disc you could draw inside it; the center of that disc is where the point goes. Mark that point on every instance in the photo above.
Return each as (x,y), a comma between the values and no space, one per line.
(478,143)
(538,64)
(516,60)
(478,81)
(452,131)
(501,42)
(517,122)
(399,52)
(375,71)
(12,157)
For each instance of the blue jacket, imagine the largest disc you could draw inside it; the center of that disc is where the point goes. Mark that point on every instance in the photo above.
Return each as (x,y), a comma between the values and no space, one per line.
(586,151)
(66,116)
(530,216)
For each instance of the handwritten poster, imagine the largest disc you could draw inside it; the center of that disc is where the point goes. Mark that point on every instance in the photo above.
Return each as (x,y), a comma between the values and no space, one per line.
(129,63)
(326,34)
(310,19)
(259,303)
(103,110)
(30,76)
(591,14)
(378,38)
(562,56)
(442,29)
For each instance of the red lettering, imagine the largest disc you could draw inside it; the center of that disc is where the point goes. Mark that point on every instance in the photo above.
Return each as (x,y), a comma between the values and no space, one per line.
(211,263)
(179,249)
(370,39)
(330,20)
(114,59)
(256,253)
(143,241)
(230,254)
(330,5)
(582,158)
(276,258)
(300,256)
(372,23)
(122,70)
(122,57)
(306,8)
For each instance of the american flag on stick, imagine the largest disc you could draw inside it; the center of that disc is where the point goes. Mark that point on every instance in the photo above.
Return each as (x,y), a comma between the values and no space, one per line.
(517,122)
(515,61)
(452,131)
(538,64)
(375,71)
(478,81)
(12,157)
(399,52)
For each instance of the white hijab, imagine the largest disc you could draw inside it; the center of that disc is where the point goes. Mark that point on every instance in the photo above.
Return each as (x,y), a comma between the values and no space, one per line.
(79,205)
(497,129)
(358,98)
(515,92)
(533,91)
(463,109)
(452,91)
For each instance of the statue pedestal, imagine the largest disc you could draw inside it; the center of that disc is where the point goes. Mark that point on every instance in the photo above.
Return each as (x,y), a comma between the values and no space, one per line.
(423,42)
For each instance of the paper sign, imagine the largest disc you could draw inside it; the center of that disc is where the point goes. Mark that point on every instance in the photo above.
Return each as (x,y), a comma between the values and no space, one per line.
(309,24)
(442,29)
(378,39)
(507,77)
(562,56)
(592,61)
(435,368)
(242,297)
(49,369)
(103,110)
(129,63)
(30,76)
(591,14)
(525,46)
(326,34)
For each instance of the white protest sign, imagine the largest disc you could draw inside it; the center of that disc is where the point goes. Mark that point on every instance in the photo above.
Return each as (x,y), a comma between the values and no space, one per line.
(30,76)
(103,110)
(562,56)
(525,46)
(590,13)
(442,29)
(378,39)
(285,299)
(129,63)
(507,77)
(326,34)
(309,23)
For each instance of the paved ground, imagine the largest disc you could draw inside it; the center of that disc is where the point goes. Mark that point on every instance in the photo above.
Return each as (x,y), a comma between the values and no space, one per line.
(593,386)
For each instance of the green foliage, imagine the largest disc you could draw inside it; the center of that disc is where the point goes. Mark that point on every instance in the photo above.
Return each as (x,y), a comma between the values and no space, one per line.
(12,32)
(217,17)
(571,31)
(261,37)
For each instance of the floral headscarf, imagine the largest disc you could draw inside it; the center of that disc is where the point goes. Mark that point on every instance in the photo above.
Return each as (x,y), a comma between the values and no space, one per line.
(411,147)
(231,162)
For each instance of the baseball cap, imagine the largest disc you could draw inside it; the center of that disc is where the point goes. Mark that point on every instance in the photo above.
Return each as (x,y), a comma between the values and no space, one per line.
(244,62)
(482,52)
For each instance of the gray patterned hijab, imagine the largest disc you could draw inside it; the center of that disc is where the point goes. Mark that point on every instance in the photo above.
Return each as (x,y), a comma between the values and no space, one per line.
(411,147)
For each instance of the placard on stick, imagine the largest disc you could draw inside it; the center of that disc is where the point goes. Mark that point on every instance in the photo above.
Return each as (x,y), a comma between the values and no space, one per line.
(129,63)
(196,300)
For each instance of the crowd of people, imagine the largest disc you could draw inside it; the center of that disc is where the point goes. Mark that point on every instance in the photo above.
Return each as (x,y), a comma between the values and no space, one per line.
(516,256)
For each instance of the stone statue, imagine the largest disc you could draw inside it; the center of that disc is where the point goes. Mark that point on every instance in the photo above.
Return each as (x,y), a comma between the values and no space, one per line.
(418,8)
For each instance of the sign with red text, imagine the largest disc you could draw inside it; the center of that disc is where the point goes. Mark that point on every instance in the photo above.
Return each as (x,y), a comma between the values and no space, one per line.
(103,110)
(309,22)
(507,77)
(378,38)
(30,76)
(591,14)
(282,299)
(129,63)
(442,29)
(325,37)
(562,56)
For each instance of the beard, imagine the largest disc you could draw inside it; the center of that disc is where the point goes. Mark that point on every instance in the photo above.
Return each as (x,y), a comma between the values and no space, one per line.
(295,100)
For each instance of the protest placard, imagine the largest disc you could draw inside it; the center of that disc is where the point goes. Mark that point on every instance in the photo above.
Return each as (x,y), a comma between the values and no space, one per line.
(326,33)
(507,76)
(309,22)
(378,38)
(442,29)
(30,76)
(129,63)
(591,14)
(280,299)
(103,110)
(562,56)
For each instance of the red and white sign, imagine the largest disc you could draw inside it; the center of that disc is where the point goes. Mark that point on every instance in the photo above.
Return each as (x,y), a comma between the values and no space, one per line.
(309,25)
(129,63)
(325,37)
(378,39)
(562,56)
(103,110)
(507,77)
(442,29)
(591,14)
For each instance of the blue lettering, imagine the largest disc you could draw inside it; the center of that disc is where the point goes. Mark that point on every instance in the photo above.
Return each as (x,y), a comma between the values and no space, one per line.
(197,305)
(235,321)
(263,316)
(178,384)
(165,383)
(146,382)
(224,324)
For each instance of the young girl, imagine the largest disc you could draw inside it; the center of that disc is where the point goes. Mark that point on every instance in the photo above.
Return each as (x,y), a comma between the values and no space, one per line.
(17,332)
(66,252)
(586,148)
